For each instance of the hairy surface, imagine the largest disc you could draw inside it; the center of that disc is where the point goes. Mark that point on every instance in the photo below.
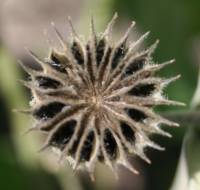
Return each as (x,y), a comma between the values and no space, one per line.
(95,99)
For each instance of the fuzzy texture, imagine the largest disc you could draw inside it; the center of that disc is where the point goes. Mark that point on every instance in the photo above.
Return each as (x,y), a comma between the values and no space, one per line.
(95,99)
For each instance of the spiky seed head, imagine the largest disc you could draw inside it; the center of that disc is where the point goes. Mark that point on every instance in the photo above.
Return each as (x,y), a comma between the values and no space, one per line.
(95,100)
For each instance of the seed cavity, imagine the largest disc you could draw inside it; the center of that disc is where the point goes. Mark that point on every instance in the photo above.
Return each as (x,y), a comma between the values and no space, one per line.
(63,134)
(77,53)
(118,55)
(110,144)
(142,90)
(136,115)
(46,82)
(100,51)
(135,66)
(128,132)
(87,148)
(56,62)
(47,111)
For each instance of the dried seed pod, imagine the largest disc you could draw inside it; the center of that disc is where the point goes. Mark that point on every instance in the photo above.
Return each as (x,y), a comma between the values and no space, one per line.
(95,100)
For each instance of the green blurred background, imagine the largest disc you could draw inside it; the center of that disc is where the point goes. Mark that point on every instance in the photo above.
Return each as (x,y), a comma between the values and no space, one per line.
(175,22)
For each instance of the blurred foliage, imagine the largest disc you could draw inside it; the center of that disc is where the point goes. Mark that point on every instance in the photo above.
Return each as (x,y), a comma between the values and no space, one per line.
(188,172)
(191,146)
(14,173)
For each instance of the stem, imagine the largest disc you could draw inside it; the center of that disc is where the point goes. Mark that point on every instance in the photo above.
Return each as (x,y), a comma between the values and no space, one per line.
(191,118)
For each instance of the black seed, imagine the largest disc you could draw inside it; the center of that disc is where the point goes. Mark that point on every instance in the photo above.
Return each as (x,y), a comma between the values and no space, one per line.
(136,65)
(107,56)
(89,53)
(46,82)
(77,53)
(63,135)
(48,111)
(89,63)
(118,55)
(74,147)
(100,51)
(105,63)
(110,144)
(136,115)
(69,111)
(128,133)
(87,148)
(56,63)
(142,90)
